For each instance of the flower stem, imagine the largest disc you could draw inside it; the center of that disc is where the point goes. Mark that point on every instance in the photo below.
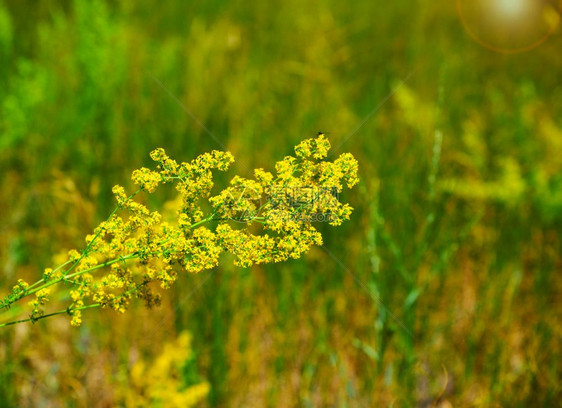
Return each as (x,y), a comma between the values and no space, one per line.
(48,315)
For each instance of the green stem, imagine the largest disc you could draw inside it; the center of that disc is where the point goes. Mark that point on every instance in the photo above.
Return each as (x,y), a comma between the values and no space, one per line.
(210,218)
(87,249)
(68,275)
(67,310)
(75,274)
(34,319)
(43,279)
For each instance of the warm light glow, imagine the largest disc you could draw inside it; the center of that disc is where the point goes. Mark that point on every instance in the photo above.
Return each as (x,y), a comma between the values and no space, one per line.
(510,26)
(511,8)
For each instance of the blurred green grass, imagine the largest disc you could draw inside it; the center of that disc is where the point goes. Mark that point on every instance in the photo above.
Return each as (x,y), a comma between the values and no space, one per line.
(443,288)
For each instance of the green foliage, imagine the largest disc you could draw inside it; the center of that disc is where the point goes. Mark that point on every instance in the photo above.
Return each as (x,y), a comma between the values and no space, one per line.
(443,287)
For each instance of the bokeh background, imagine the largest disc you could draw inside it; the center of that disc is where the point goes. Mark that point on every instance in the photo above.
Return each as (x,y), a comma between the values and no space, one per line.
(442,290)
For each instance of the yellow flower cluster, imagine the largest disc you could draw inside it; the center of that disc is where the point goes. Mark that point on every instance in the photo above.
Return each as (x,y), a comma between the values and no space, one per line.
(269,218)
(41,298)
(21,287)
(317,148)
(147,179)
(163,383)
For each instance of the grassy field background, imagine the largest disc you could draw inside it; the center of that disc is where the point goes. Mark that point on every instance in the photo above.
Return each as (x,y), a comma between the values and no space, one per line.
(443,289)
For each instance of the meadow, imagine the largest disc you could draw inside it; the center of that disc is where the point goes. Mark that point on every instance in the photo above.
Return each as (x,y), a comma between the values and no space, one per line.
(443,289)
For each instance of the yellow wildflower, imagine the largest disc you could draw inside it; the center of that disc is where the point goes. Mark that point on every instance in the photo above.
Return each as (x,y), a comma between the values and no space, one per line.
(137,249)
